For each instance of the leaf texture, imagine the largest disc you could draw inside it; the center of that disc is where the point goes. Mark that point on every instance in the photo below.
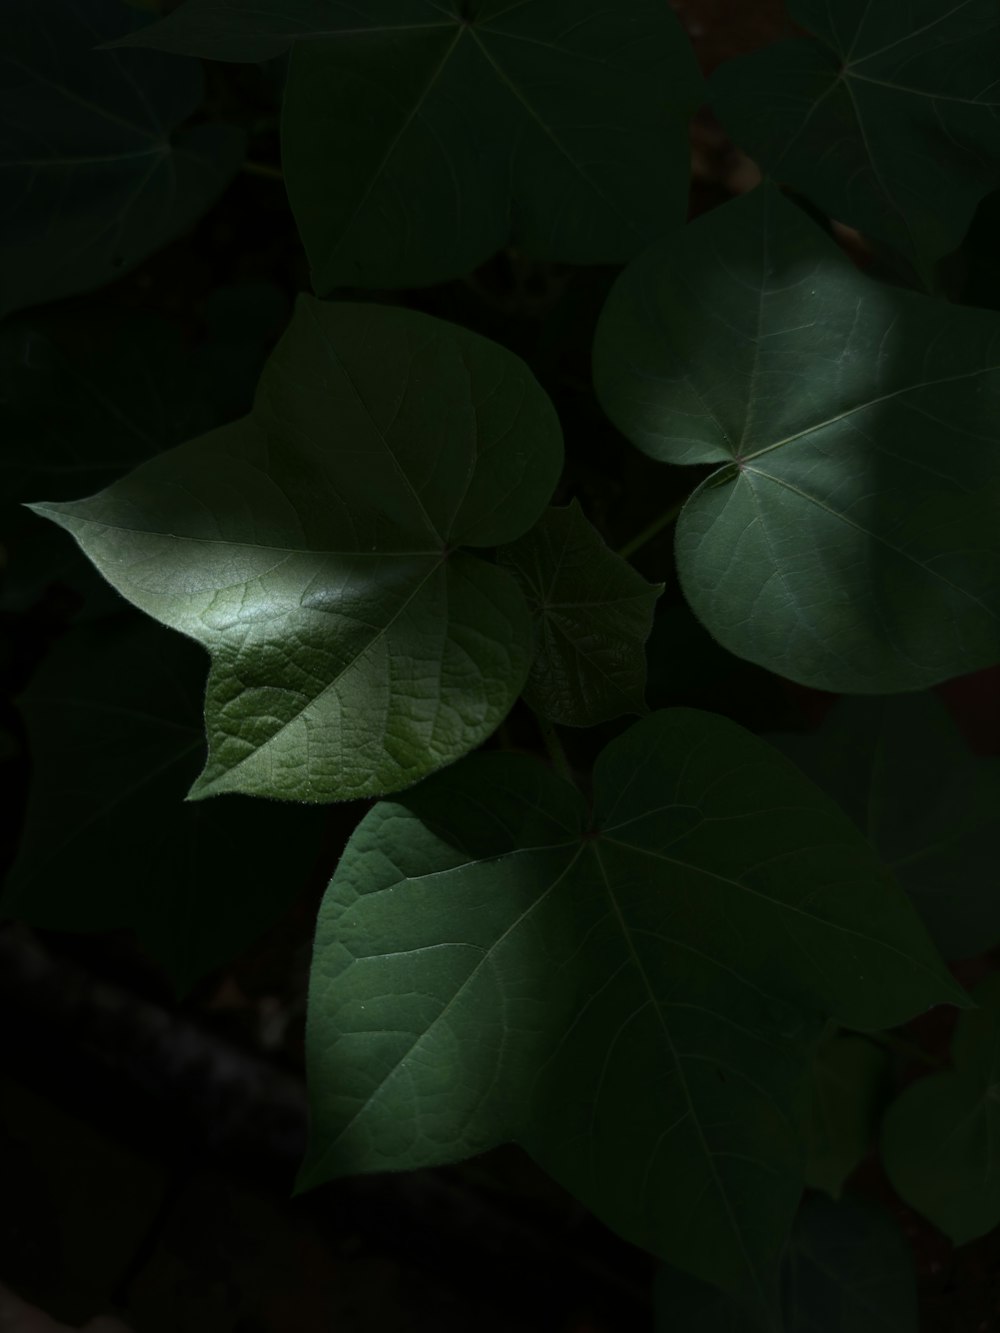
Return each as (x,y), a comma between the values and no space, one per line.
(847,538)
(632,995)
(316,549)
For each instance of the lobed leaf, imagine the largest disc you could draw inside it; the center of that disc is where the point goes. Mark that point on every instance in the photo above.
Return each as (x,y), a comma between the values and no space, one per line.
(557,126)
(632,994)
(847,538)
(96,169)
(314,548)
(592,613)
(889,120)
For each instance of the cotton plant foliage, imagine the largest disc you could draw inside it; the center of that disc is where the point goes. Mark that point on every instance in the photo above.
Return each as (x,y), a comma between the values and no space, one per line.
(631,991)
(97,168)
(888,119)
(847,538)
(321,548)
(558,126)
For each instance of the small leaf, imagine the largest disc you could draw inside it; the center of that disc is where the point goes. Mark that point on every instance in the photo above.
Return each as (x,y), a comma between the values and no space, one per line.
(888,121)
(115,737)
(847,1269)
(592,614)
(95,172)
(419,138)
(847,538)
(311,547)
(939,1136)
(633,998)
(930,806)
(848,1074)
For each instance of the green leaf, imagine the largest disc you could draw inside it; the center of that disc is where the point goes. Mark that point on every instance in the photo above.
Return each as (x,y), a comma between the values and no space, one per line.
(847,538)
(889,121)
(313,549)
(115,737)
(592,614)
(94,170)
(902,770)
(848,1074)
(847,1269)
(632,995)
(418,138)
(939,1136)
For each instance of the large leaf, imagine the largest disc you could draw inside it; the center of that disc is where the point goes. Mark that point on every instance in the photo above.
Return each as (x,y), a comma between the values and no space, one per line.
(939,1137)
(418,138)
(630,994)
(84,399)
(848,1077)
(94,172)
(847,1269)
(115,732)
(313,548)
(592,614)
(902,770)
(889,121)
(848,537)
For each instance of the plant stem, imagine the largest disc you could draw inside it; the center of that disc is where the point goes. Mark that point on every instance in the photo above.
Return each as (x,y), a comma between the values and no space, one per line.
(651,530)
(263,169)
(555,748)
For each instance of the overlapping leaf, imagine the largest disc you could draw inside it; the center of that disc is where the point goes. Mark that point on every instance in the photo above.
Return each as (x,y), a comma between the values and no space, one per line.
(592,614)
(848,1077)
(889,121)
(115,732)
(94,172)
(418,138)
(632,995)
(939,1137)
(848,538)
(314,549)
(930,806)
(847,1269)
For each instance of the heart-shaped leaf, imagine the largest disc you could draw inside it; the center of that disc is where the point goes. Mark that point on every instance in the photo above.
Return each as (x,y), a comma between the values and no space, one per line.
(592,614)
(847,1269)
(630,994)
(312,547)
(930,806)
(888,121)
(939,1136)
(418,138)
(94,171)
(115,734)
(848,538)
(848,1076)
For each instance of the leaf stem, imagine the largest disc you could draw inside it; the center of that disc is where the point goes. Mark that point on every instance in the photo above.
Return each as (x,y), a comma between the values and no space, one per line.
(263,169)
(651,530)
(555,748)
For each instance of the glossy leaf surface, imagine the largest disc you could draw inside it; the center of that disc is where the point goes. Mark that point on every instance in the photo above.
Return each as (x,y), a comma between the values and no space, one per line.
(95,170)
(939,1136)
(631,998)
(312,548)
(848,538)
(931,807)
(115,734)
(593,614)
(889,121)
(557,126)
